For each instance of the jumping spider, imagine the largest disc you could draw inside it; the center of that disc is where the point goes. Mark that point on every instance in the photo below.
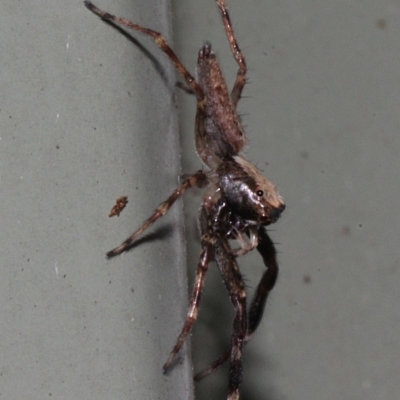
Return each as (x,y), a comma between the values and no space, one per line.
(238,204)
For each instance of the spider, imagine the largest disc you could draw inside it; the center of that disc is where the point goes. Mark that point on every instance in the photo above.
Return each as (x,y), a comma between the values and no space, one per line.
(238,204)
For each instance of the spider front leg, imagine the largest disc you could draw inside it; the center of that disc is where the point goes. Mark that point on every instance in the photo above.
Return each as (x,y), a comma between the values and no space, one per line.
(198,179)
(232,277)
(207,243)
(267,250)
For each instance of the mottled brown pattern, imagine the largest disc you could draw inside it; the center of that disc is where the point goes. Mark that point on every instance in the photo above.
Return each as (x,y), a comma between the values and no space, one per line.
(223,134)
(237,206)
(120,204)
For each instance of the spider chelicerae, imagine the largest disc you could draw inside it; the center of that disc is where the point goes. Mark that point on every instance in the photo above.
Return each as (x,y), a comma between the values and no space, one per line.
(238,204)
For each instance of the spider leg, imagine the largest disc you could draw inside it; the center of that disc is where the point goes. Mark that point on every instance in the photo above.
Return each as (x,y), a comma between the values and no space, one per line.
(202,267)
(212,367)
(198,179)
(161,43)
(183,87)
(267,250)
(237,54)
(234,283)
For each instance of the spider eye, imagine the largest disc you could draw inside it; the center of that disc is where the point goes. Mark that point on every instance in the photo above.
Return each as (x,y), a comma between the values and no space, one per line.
(260,193)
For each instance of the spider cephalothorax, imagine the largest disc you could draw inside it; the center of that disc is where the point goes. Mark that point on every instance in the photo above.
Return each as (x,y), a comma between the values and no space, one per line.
(248,193)
(239,202)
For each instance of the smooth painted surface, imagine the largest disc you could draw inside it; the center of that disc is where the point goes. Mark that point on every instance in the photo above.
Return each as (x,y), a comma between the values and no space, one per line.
(87,116)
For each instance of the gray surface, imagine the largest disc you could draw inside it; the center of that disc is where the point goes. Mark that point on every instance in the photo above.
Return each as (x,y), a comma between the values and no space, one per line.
(323,112)
(82,113)
(85,118)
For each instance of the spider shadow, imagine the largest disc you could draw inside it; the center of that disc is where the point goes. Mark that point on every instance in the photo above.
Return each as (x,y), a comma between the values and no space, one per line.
(160,234)
(161,71)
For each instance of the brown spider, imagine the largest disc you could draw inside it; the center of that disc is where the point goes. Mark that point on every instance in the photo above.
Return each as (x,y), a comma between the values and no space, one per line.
(238,204)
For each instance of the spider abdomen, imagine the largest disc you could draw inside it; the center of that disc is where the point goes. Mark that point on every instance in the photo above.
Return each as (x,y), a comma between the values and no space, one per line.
(219,132)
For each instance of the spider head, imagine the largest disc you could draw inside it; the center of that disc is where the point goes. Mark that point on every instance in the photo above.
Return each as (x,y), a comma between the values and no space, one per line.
(248,193)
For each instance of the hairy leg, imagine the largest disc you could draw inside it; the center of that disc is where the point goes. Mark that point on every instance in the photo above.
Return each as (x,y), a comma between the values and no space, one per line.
(232,277)
(202,267)
(161,43)
(237,54)
(198,179)
(267,250)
